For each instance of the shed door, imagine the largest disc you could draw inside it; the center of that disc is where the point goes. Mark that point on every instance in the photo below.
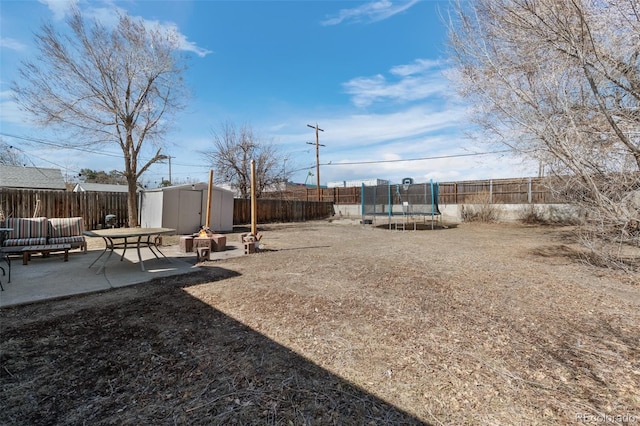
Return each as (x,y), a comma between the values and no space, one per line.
(189,211)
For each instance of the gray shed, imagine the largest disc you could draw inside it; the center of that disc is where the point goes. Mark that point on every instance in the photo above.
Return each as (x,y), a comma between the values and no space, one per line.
(183,208)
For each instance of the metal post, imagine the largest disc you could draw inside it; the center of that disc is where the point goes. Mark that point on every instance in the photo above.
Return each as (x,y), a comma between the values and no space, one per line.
(432,201)
(362,202)
(209,196)
(254,201)
(390,207)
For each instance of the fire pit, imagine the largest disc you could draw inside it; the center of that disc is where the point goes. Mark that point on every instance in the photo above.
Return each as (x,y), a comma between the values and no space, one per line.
(206,238)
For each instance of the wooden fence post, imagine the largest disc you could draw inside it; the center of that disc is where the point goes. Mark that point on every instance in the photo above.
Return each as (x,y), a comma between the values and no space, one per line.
(490,191)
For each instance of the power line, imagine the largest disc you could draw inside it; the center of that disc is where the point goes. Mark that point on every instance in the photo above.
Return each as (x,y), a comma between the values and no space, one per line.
(401,160)
(59,145)
(416,159)
(88,150)
(41,159)
(76,148)
(304,168)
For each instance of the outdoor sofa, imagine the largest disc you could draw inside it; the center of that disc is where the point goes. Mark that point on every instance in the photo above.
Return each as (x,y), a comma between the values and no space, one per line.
(43,231)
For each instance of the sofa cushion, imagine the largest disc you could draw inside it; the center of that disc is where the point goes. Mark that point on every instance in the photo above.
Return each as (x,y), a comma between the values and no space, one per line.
(12,242)
(66,227)
(27,228)
(74,241)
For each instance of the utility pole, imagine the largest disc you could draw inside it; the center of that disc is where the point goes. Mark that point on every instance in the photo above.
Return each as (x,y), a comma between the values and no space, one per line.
(318,145)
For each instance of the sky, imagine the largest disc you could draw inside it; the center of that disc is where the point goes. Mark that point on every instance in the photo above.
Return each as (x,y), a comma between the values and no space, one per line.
(371,75)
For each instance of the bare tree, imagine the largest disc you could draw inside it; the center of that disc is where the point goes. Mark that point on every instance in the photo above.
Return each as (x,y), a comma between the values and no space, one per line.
(106,86)
(559,81)
(10,156)
(233,150)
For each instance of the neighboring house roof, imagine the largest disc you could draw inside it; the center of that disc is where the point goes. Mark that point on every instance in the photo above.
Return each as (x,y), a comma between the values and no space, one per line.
(100,187)
(31,178)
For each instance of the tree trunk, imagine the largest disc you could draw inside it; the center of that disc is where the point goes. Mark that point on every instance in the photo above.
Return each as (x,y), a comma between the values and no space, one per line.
(132,202)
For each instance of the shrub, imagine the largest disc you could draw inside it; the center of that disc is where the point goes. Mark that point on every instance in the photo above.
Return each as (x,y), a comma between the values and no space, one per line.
(480,209)
(532,215)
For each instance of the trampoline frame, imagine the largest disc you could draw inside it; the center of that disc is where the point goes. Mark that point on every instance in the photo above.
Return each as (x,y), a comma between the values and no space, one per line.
(406,210)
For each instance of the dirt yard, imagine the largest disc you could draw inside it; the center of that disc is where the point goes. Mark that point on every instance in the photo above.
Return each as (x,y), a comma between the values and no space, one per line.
(341,324)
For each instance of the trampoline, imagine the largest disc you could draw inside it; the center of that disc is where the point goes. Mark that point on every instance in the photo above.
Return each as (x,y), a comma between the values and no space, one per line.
(400,204)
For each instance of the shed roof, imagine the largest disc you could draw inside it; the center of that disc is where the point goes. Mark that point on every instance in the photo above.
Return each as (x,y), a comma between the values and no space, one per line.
(198,186)
(100,187)
(31,178)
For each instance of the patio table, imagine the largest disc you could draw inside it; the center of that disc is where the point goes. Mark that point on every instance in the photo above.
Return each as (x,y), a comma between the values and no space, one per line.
(115,238)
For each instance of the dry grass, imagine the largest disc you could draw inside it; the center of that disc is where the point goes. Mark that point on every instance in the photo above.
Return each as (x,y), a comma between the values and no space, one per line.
(335,324)
(479,208)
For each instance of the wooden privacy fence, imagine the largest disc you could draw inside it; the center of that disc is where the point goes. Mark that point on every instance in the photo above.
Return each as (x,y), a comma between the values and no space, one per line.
(281,210)
(497,191)
(91,206)
(491,191)
(295,204)
(349,195)
(94,206)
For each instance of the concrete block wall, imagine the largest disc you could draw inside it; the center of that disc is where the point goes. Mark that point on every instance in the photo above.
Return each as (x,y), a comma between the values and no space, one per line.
(452,213)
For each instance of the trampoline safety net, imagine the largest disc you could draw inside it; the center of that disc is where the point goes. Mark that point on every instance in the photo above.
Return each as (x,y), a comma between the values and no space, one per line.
(420,199)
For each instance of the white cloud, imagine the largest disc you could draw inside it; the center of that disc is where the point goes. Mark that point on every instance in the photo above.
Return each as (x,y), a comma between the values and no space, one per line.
(183,42)
(9,110)
(353,131)
(370,12)
(11,43)
(419,66)
(10,113)
(429,132)
(109,18)
(427,135)
(374,128)
(419,80)
(277,127)
(494,166)
(59,8)
(106,16)
(428,138)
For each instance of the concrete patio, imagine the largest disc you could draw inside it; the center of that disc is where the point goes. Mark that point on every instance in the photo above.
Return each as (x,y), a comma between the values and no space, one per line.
(45,278)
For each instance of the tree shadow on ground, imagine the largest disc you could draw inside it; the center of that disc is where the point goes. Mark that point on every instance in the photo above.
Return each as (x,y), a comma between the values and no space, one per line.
(153,354)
